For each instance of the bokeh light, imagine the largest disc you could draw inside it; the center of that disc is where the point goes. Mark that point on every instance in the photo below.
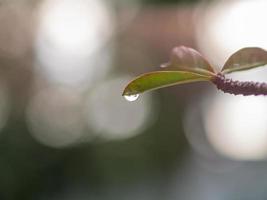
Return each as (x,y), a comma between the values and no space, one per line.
(70,45)
(113,117)
(227,26)
(55,118)
(68,133)
(236,126)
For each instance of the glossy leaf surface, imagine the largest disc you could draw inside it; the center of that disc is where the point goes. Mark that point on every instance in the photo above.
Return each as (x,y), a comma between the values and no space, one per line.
(160,79)
(245,59)
(187,59)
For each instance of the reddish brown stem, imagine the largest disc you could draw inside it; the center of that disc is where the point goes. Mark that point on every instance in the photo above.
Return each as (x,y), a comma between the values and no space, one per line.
(239,88)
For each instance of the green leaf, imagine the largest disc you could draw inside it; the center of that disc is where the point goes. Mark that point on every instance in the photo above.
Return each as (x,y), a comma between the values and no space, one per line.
(187,59)
(160,79)
(245,59)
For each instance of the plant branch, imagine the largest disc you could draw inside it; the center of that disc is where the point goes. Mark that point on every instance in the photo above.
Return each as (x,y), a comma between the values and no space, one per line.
(245,88)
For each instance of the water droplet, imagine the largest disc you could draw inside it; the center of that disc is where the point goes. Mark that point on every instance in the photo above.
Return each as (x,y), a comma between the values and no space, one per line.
(133,97)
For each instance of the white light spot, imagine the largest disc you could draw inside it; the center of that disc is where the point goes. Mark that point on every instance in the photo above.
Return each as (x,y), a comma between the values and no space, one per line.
(228,26)
(78,26)
(236,126)
(131,98)
(70,40)
(111,117)
(55,117)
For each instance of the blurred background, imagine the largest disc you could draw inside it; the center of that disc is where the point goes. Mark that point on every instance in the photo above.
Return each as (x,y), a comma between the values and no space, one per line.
(66,133)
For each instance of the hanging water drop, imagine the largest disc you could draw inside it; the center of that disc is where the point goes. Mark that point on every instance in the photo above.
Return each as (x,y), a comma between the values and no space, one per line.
(132,97)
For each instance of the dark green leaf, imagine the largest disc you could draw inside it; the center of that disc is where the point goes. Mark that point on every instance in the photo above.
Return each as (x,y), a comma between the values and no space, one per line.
(160,79)
(244,59)
(187,59)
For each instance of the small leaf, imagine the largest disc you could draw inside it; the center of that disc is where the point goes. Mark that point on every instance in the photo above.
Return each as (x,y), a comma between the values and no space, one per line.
(187,59)
(244,59)
(160,79)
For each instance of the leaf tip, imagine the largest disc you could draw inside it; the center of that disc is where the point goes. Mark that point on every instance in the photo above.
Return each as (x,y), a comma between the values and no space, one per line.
(125,91)
(128,90)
